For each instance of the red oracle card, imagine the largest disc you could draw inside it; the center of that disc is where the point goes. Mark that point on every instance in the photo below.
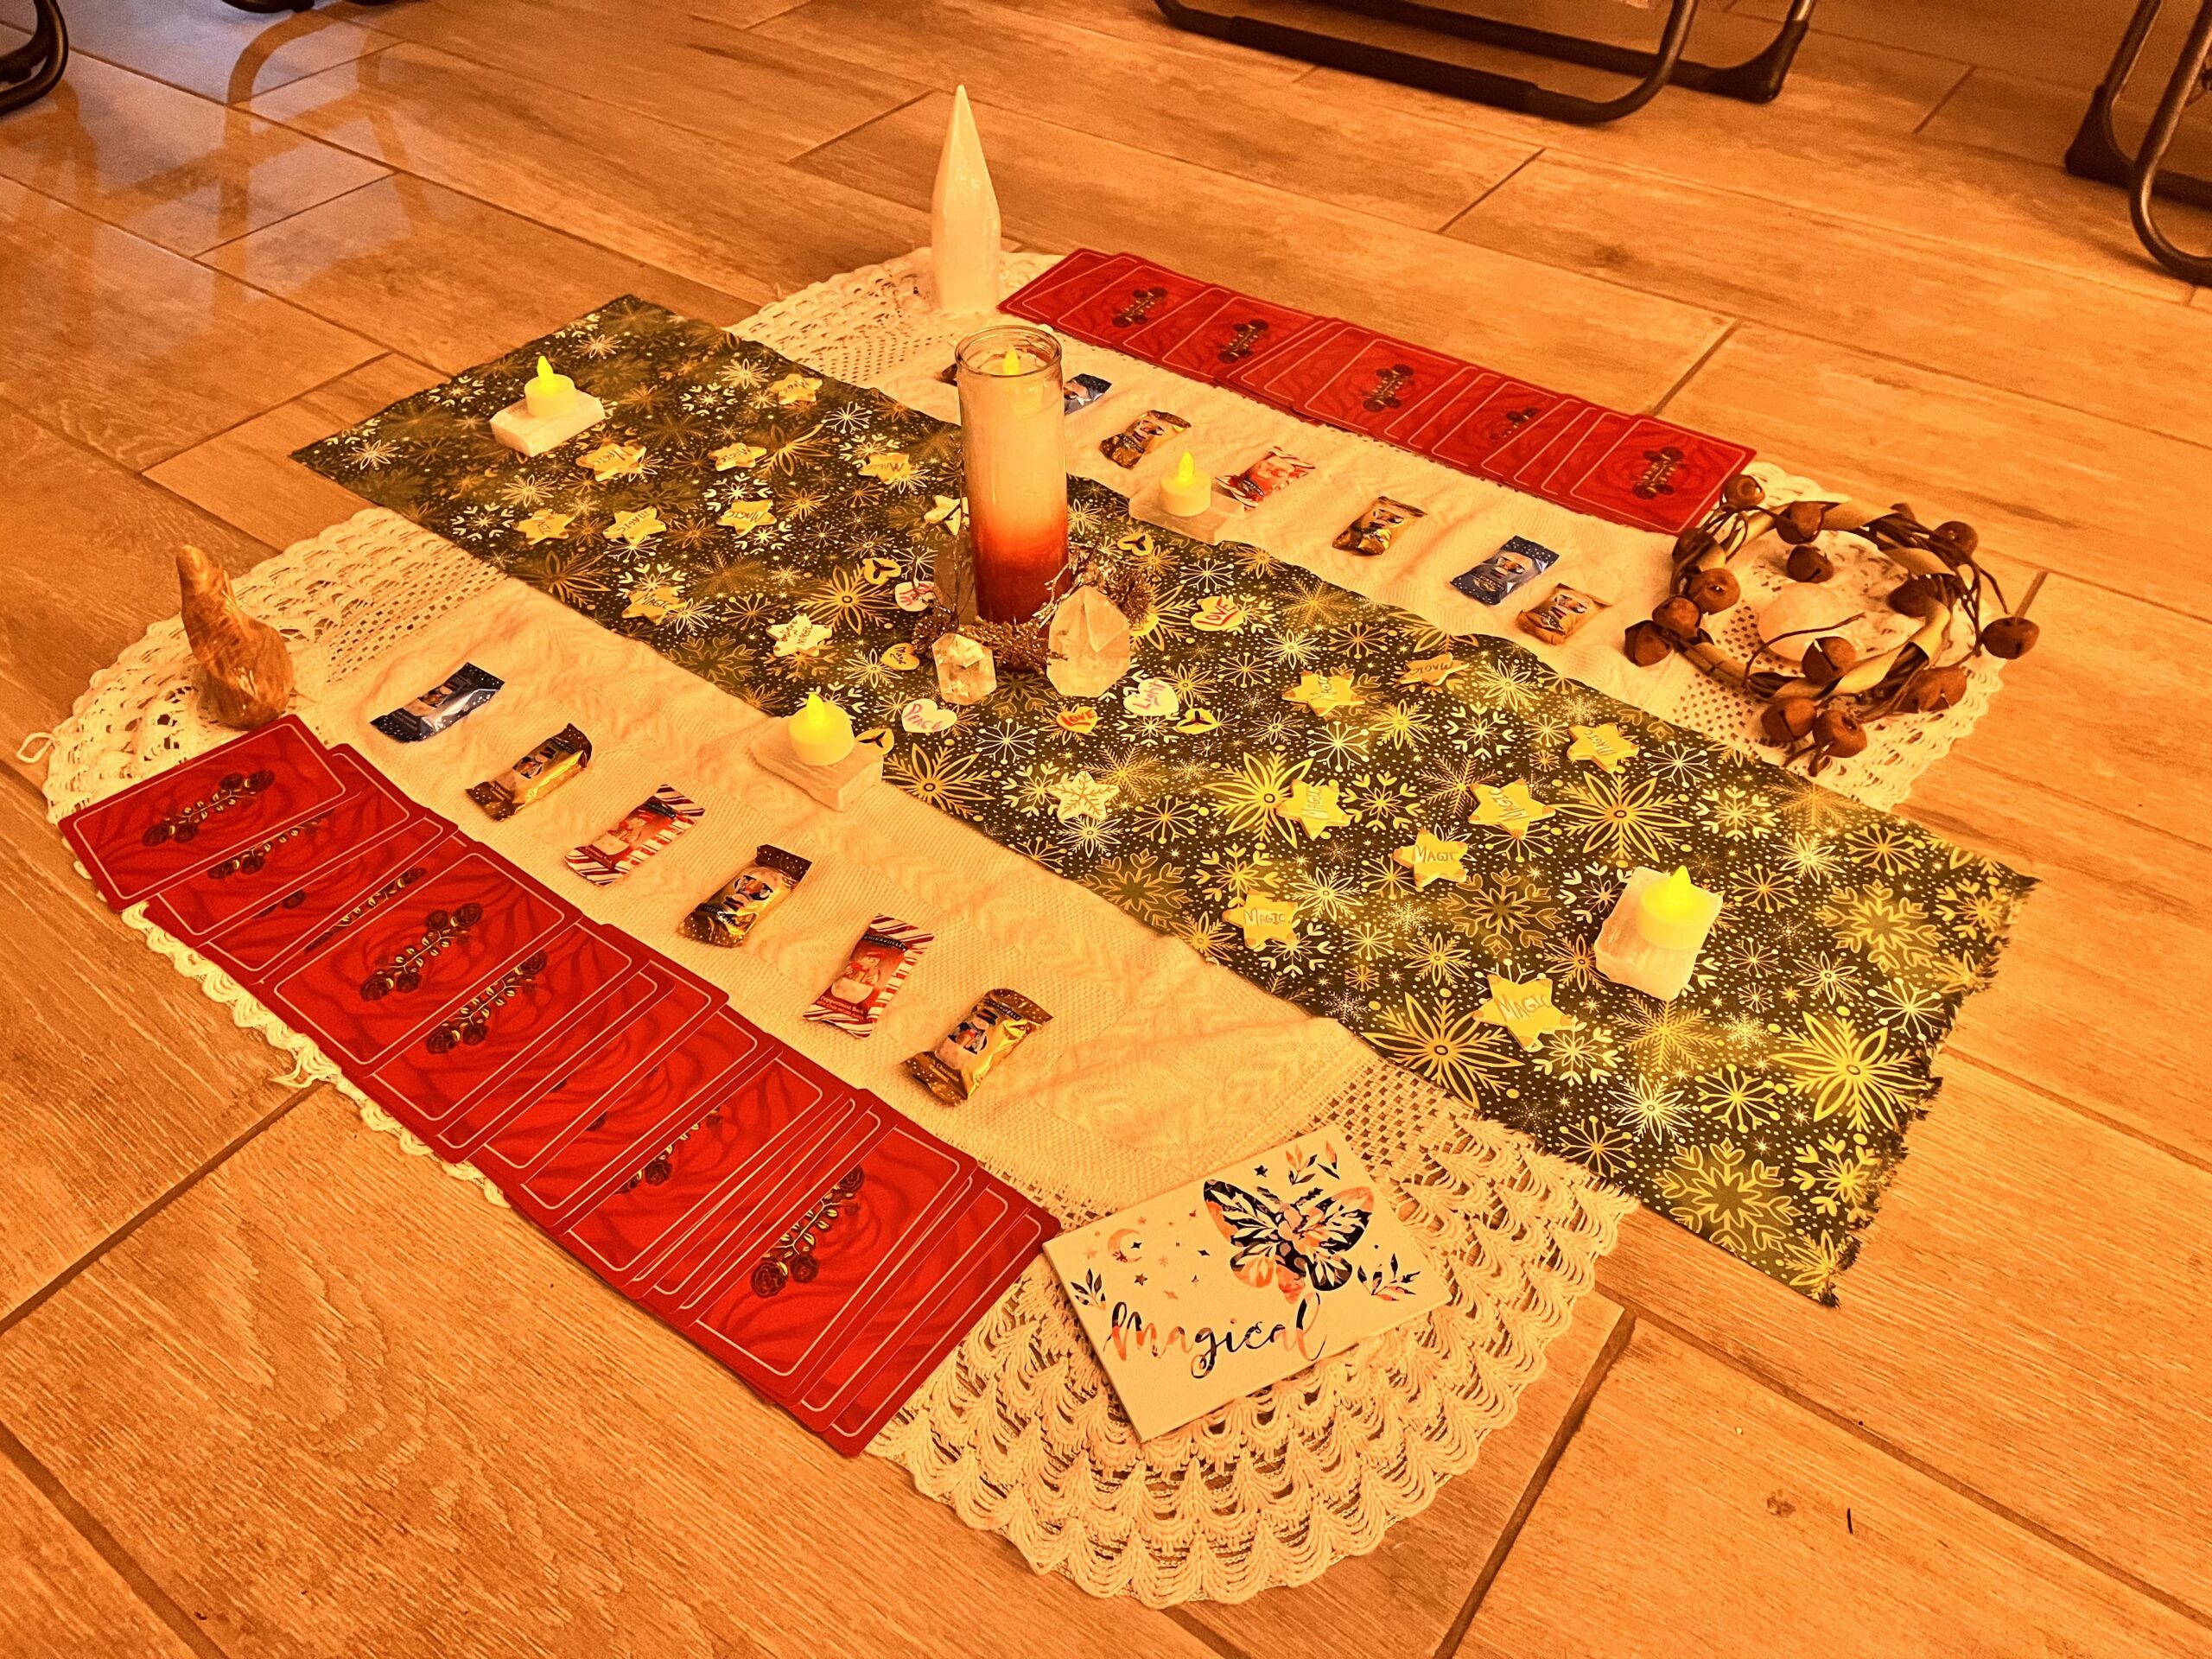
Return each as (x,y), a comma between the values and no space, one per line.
(1558,442)
(772,1315)
(389,976)
(867,1382)
(1380,383)
(1256,376)
(348,891)
(1491,424)
(752,1131)
(1237,334)
(1587,449)
(1080,272)
(199,905)
(1132,298)
(472,1050)
(236,796)
(1151,340)
(1443,409)
(1300,378)
(643,1113)
(1532,438)
(749,1216)
(553,1059)
(1659,476)
(561,1104)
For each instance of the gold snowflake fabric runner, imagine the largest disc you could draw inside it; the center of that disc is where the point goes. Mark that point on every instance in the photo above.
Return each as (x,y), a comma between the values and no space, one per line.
(1414,834)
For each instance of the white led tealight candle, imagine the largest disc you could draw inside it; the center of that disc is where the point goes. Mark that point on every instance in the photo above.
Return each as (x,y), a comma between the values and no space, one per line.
(551,412)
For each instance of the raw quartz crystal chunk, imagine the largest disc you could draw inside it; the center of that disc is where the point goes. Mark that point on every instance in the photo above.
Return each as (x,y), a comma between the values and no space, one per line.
(965,672)
(1090,642)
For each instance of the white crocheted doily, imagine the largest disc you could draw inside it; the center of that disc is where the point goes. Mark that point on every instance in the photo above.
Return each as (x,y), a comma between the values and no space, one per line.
(1018,1431)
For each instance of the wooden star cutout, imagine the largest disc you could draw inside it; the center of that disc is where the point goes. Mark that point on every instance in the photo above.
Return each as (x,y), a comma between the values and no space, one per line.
(614,460)
(1511,809)
(743,516)
(635,529)
(1325,693)
(1264,917)
(892,465)
(733,456)
(653,602)
(795,391)
(1315,805)
(544,525)
(1604,746)
(1524,1010)
(1431,858)
(1430,670)
(1083,797)
(802,633)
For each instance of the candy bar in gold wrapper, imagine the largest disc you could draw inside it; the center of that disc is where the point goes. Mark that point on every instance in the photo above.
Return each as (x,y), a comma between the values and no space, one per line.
(729,917)
(1555,618)
(537,775)
(1373,532)
(991,1030)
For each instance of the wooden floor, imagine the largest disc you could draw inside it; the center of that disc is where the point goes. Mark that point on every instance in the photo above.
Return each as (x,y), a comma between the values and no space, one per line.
(268,1388)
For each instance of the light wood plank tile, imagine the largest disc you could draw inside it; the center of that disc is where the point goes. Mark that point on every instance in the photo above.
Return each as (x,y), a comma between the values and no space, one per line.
(217,51)
(1141,21)
(163,164)
(2065,40)
(2038,119)
(2113,504)
(1057,188)
(2102,955)
(446,279)
(669,62)
(341,1404)
(246,476)
(1998,322)
(124,1078)
(2025,1319)
(93,563)
(136,352)
(1839,141)
(1403,1598)
(58,1599)
(624,181)
(1697,1512)
(1379,159)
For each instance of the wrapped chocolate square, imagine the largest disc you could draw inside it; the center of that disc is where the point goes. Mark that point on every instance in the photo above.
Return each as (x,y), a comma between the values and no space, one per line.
(872,974)
(728,917)
(1373,532)
(1513,567)
(1141,436)
(460,694)
(1555,618)
(537,775)
(1276,470)
(999,1023)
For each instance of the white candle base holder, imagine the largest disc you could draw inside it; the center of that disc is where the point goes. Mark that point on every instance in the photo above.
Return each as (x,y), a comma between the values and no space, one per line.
(520,430)
(835,787)
(1147,504)
(1626,958)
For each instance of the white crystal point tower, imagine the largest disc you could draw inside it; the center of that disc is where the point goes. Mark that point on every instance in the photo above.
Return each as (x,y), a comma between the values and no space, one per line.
(964,220)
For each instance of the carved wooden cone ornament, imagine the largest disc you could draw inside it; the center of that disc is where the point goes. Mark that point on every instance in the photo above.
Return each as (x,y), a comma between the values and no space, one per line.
(246,677)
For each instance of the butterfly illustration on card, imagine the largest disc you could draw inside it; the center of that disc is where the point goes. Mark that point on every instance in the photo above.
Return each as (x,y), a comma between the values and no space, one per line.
(1291,1243)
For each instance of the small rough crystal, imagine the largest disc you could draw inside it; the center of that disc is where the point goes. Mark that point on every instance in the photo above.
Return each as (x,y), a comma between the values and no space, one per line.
(965,672)
(1090,642)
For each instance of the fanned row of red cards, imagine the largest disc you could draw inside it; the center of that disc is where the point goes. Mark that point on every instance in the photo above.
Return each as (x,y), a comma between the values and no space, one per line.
(813,1240)
(1631,469)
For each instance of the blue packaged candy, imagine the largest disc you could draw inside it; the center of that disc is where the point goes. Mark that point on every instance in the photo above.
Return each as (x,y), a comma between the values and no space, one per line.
(1082,391)
(461,693)
(1513,566)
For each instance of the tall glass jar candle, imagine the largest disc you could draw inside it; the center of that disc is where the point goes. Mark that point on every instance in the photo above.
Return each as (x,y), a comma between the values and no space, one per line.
(1011,416)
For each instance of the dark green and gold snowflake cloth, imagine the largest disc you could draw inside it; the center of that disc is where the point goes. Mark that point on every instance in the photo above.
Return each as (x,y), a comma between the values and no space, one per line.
(1330,797)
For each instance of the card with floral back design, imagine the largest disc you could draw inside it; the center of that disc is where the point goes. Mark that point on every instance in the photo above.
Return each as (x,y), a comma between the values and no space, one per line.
(1237,1281)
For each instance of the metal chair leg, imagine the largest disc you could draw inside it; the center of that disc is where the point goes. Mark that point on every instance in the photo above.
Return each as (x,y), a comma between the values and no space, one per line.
(2190,83)
(2096,152)
(33,69)
(1758,79)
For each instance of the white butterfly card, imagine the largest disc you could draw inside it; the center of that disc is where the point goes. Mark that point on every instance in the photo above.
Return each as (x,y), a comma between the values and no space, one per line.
(1239,1279)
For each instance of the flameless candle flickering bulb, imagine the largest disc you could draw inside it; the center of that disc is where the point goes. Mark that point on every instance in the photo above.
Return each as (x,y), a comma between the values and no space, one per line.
(549,396)
(1672,913)
(821,732)
(1185,491)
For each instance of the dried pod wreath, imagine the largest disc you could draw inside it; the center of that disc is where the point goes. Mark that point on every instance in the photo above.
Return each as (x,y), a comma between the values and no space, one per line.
(1820,713)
